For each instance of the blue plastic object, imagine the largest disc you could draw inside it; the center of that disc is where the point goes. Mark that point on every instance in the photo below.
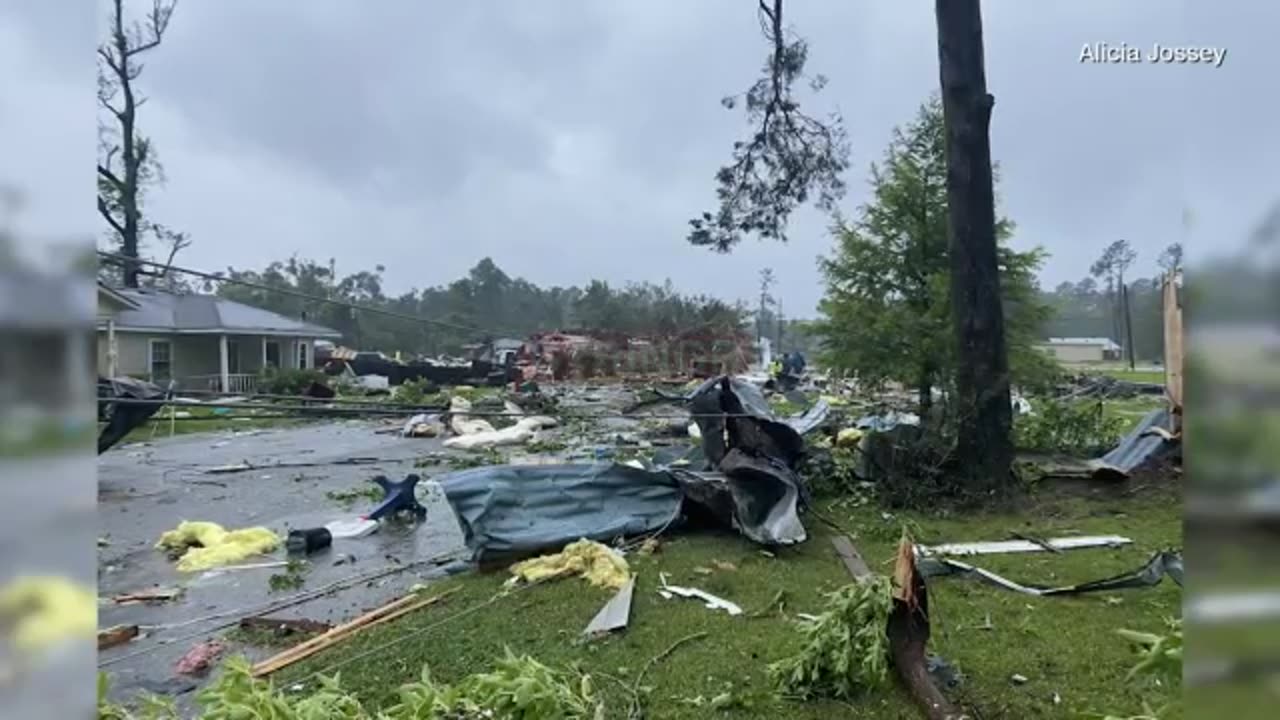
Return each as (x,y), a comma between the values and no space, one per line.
(397,497)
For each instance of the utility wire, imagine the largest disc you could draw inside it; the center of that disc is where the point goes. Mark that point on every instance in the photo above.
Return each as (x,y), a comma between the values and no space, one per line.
(272,606)
(391,409)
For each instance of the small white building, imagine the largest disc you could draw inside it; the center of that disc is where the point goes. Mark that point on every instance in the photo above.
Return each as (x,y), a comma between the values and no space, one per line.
(1081,350)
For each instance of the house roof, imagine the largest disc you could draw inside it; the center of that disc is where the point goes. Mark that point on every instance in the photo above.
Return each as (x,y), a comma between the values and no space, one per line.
(1106,343)
(204,314)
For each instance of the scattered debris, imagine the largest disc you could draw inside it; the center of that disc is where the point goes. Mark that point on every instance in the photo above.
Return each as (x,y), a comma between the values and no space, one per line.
(292,578)
(285,626)
(461,423)
(1023,546)
(423,426)
(1017,679)
(308,540)
(153,595)
(353,528)
(1141,445)
(397,497)
(712,602)
(117,635)
(615,614)
(522,432)
(200,658)
(123,417)
(596,563)
(1149,575)
(386,613)
(206,545)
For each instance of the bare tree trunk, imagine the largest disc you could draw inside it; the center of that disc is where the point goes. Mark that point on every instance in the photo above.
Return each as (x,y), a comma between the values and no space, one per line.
(129,153)
(984,450)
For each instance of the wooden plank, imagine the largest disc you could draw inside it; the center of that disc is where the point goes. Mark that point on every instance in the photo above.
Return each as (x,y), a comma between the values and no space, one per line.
(849,556)
(386,613)
(117,635)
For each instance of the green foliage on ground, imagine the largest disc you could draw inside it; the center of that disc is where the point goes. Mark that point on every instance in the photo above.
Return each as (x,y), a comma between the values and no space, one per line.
(1059,644)
(846,651)
(348,497)
(518,688)
(1081,427)
(419,392)
(886,314)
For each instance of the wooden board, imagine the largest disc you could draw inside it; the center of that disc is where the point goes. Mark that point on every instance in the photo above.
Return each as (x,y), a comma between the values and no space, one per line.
(850,557)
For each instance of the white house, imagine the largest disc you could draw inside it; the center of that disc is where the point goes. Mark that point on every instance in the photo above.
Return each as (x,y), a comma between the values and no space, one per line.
(1081,350)
(202,342)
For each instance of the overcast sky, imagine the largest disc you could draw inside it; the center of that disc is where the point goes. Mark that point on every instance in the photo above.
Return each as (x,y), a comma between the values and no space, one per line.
(573,139)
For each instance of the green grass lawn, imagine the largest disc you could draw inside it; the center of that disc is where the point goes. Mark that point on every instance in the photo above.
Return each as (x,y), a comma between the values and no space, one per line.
(204,420)
(1064,647)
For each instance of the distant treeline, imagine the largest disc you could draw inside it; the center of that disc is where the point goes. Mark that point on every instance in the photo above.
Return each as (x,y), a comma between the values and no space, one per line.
(486,304)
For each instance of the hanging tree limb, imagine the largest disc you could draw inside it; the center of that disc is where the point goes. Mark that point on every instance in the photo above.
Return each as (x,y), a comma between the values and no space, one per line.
(790,157)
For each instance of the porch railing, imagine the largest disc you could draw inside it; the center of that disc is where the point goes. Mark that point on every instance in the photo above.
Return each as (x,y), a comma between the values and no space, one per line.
(236,383)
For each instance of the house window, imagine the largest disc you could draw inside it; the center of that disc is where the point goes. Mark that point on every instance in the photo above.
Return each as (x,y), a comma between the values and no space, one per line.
(160,360)
(304,359)
(233,357)
(272,354)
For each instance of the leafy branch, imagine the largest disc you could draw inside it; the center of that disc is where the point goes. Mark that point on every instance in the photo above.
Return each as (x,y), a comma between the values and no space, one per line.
(790,156)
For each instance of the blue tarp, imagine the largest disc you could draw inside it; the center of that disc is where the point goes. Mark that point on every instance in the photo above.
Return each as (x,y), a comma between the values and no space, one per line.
(518,509)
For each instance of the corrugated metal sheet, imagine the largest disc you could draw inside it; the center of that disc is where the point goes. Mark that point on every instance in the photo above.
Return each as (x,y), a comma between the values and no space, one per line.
(521,509)
(1136,447)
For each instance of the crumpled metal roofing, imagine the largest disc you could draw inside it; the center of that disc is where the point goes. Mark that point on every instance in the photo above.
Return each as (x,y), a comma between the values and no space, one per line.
(1136,447)
(523,509)
(520,509)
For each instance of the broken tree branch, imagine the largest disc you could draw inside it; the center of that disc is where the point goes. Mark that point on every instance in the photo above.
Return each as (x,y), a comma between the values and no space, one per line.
(908,632)
(105,212)
(105,172)
(637,708)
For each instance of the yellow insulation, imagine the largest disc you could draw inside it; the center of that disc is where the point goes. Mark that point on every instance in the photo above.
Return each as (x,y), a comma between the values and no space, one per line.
(209,545)
(595,562)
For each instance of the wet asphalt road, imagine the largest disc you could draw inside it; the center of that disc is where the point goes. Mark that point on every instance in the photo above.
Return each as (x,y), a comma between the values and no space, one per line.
(146,490)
